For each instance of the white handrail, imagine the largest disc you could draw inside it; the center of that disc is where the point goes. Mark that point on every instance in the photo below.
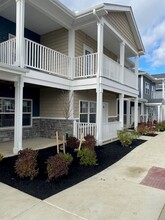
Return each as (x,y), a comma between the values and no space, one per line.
(43,58)
(111,69)
(85,66)
(85,128)
(8,52)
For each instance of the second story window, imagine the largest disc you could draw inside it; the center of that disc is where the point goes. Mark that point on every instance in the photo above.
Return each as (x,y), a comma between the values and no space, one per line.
(147,88)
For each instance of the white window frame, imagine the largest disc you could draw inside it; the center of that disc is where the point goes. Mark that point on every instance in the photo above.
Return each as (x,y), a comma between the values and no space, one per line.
(12,111)
(147,88)
(88,111)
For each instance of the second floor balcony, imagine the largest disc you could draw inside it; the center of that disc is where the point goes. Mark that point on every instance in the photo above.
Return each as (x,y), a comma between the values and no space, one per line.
(47,60)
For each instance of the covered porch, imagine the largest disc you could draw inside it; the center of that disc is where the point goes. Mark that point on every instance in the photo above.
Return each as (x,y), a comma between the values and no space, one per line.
(6,148)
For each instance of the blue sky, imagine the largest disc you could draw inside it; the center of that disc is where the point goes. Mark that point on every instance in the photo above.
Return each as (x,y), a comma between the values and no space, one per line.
(150,18)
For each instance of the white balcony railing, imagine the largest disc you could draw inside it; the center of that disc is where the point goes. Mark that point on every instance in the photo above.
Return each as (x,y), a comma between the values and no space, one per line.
(8,52)
(43,58)
(85,128)
(111,69)
(130,78)
(110,130)
(85,66)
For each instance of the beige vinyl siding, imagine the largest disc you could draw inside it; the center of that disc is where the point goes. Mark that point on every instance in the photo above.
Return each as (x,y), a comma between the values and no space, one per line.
(120,22)
(90,95)
(56,40)
(81,38)
(51,102)
(111,99)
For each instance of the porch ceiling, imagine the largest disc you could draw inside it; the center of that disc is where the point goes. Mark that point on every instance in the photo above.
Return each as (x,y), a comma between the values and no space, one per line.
(34,20)
(111,41)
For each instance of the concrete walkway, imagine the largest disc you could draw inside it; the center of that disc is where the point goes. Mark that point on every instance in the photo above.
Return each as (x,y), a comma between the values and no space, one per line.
(113,194)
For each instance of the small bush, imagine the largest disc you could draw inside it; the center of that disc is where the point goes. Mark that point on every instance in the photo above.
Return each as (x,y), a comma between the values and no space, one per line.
(126,137)
(87,157)
(160,126)
(68,157)
(90,142)
(1,157)
(142,129)
(57,166)
(26,164)
(73,142)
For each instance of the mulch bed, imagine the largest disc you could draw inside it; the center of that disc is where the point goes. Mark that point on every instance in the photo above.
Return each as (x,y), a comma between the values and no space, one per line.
(40,188)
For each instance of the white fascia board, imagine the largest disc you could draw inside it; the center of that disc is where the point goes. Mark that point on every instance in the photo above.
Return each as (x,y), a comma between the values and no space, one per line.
(135,32)
(82,84)
(44,79)
(11,73)
(147,76)
(118,87)
(153,104)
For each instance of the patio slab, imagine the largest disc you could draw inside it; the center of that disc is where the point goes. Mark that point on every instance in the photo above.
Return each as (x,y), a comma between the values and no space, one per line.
(6,148)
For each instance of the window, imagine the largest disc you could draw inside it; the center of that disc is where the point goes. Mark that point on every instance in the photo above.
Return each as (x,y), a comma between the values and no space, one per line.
(147,88)
(87,112)
(7,110)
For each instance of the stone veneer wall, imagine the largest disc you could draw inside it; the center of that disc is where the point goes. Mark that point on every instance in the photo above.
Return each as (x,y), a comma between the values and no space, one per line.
(6,135)
(41,128)
(48,127)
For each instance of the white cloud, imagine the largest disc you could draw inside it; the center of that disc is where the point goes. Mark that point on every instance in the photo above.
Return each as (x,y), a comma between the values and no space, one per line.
(150,19)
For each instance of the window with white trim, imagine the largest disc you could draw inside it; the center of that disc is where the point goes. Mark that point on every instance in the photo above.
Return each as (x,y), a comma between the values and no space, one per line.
(87,112)
(7,111)
(147,88)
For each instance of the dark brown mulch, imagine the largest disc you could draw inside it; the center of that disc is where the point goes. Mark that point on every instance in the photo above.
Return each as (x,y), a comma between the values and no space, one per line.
(40,188)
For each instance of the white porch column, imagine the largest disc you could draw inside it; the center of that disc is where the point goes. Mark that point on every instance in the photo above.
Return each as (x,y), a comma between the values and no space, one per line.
(159,113)
(71,52)
(121,110)
(71,104)
(99,116)
(141,90)
(142,110)
(137,69)
(163,96)
(18,115)
(128,113)
(99,90)
(20,14)
(122,60)
(136,113)
(147,113)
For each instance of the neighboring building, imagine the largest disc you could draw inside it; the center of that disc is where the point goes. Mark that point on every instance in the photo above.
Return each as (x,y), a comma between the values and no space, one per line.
(151,97)
(52,58)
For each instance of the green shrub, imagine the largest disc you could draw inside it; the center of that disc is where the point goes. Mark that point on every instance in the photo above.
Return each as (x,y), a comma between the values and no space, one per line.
(26,164)
(68,157)
(87,157)
(160,126)
(57,166)
(1,157)
(126,137)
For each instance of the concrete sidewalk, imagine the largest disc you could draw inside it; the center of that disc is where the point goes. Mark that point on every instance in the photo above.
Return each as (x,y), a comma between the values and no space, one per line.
(113,194)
